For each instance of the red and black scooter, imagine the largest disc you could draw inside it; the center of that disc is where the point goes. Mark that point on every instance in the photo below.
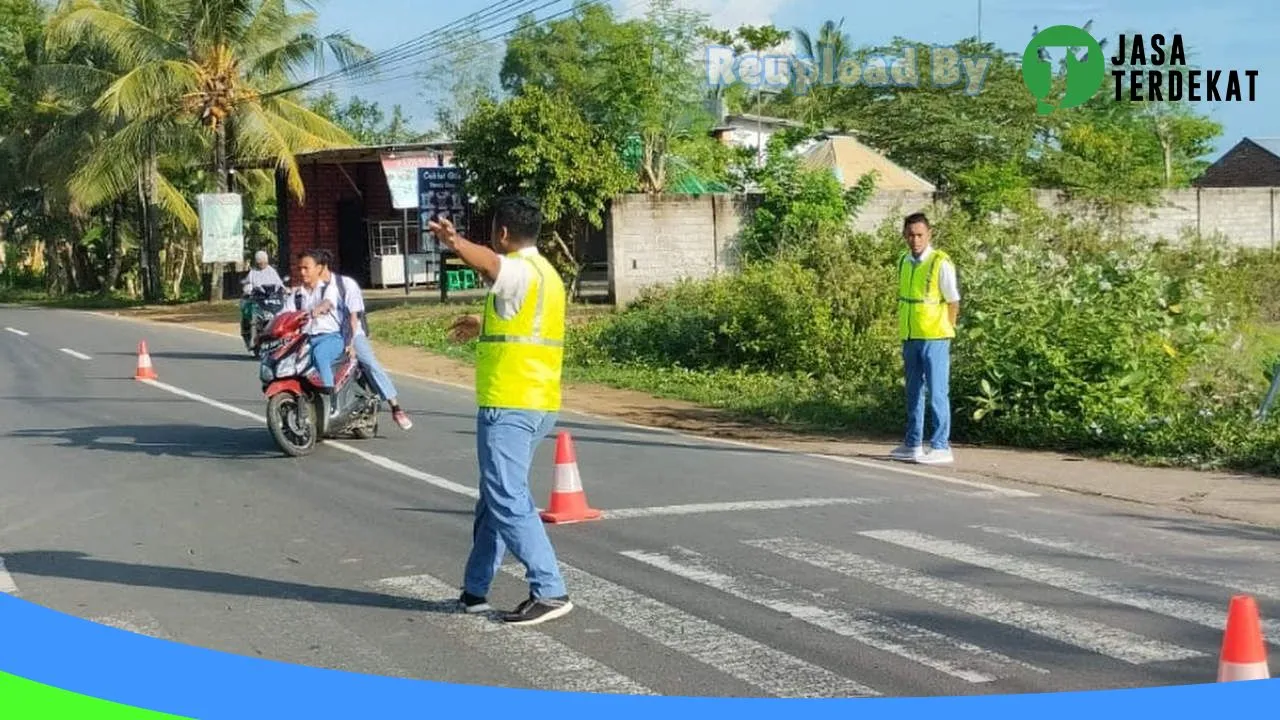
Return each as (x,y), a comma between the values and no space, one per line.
(298,415)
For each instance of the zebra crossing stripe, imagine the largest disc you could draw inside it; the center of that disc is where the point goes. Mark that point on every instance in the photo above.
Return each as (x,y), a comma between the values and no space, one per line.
(1203,575)
(1190,611)
(742,658)
(543,660)
(908,641)
(1082,633)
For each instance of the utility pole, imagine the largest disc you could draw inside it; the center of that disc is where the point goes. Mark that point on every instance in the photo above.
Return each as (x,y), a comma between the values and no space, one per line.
(979,21)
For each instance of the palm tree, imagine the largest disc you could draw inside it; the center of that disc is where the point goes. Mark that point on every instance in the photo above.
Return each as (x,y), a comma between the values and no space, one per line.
(200,76)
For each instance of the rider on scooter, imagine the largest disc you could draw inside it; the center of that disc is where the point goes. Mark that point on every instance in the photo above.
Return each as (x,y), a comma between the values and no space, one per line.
(261,275)
(322,301)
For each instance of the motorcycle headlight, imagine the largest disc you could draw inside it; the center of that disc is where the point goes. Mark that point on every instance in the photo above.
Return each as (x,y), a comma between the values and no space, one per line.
(265,374)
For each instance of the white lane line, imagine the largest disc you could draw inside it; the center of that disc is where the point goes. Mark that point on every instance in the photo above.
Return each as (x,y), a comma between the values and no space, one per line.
(137,622)
(994,489)
(378,460)
(1103,639)
(1152,565)
(698,440)
(75,354)
(754,663)
(737,506)
(870,628)
(473,493)
(1188,610)
(16,331)
(7,585)
(540,658)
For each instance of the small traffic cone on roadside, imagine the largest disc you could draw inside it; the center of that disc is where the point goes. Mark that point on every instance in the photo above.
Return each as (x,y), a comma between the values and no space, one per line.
(1244,653)
(144,371)
(568,500)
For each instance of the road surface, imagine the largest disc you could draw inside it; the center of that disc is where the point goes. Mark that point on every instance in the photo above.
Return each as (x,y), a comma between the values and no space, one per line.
(719,569)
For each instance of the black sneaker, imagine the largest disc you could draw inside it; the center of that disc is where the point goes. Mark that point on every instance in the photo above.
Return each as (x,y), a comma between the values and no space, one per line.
(538,610)
(473,603)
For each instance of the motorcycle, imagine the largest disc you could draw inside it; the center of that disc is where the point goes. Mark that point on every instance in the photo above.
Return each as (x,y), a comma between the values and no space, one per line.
(257,310)
(299,416)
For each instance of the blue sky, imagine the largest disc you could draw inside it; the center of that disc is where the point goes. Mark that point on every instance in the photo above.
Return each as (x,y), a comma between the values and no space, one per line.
(1220,35)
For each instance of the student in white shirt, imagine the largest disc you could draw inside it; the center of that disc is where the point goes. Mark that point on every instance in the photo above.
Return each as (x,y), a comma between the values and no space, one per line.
(321,299)
(352,310)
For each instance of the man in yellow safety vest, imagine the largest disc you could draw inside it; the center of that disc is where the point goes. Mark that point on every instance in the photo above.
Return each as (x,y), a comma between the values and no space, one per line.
(928,305)
(518,363)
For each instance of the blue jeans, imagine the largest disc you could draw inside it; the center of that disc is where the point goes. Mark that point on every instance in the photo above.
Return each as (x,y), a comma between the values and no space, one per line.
(325,351)
(506,517)
(364,353)
(928,362)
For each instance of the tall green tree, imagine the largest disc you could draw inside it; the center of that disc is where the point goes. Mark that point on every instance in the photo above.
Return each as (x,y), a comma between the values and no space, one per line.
(222,66)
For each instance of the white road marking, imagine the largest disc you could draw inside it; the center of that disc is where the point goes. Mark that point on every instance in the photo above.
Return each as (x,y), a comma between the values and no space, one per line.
(698,440)
(380,461)
(7,585)
(136,622)
(738,506)
(1188,610)
(540,658)
(16,331)
(1202,575)
(994,489)
(75,354)
(1082,633)
(754,663)
(882,632)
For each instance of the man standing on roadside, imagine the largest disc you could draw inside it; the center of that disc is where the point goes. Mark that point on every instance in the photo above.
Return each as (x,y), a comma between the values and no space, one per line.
(928,305)
(518,364)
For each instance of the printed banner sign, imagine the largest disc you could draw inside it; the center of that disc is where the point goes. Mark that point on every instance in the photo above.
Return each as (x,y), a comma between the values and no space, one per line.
(402,178)
(221,227)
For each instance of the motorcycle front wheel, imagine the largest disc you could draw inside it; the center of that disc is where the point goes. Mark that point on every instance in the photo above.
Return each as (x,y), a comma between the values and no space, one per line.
(291,420)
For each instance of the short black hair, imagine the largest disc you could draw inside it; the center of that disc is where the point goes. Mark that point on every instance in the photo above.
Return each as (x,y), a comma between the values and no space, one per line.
(520,215)
(914,218)
(321,256)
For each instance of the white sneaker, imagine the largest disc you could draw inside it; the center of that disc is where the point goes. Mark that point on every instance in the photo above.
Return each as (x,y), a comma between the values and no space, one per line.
(909,454)
(937,457)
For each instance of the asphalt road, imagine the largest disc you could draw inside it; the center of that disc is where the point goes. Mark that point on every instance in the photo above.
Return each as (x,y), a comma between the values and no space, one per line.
(719,569)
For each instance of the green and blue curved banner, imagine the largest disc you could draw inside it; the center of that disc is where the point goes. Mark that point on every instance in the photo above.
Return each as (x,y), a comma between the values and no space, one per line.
(55,666)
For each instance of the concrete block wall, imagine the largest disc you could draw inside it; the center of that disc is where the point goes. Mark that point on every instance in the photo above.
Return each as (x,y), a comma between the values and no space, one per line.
(657,240)
(653,240)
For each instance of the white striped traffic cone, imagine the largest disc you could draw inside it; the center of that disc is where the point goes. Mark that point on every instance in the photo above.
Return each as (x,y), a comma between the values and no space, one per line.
(1244,653)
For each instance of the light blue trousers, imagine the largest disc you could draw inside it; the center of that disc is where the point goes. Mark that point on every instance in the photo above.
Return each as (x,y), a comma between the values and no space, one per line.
(364,353)
(928,364)
(325,351)
(506,516)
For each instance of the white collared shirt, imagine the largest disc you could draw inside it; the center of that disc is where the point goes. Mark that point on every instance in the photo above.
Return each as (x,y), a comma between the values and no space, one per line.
(947,283)
(328,322)
(512,283)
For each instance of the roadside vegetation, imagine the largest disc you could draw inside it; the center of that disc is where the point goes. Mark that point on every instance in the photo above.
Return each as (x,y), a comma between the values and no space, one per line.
(1076,334)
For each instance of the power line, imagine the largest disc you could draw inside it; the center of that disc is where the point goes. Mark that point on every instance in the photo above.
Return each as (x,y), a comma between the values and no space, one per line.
(403,50)
(459,49)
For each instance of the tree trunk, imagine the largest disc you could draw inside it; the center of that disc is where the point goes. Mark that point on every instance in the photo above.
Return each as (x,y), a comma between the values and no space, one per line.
(222,173)
(115,261)
(150,250)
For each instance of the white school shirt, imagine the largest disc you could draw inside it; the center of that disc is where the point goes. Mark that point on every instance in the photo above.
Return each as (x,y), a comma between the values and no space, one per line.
(946,275)
(355,301)
(327,323)
(512,283)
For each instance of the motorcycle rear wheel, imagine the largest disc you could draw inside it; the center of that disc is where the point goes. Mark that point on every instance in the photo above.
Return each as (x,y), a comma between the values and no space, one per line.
(292,422)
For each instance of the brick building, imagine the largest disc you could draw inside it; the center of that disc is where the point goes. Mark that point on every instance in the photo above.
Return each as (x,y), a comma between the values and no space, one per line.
(1253,162)
(347,210)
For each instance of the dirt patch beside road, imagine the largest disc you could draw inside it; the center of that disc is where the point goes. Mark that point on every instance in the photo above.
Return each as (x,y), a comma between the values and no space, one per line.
(1230,496)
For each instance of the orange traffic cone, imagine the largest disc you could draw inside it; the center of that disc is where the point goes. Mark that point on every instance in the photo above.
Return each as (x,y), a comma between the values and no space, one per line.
(1244,654)
(568,501)
(145,371)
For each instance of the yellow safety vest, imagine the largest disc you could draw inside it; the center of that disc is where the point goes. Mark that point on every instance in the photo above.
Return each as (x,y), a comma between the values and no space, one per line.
(518,361)
(922,311)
